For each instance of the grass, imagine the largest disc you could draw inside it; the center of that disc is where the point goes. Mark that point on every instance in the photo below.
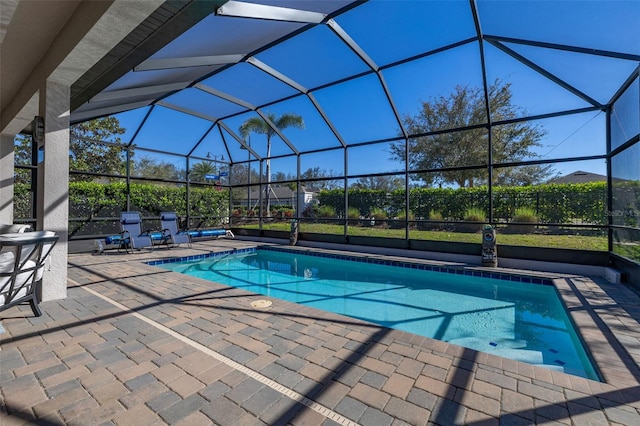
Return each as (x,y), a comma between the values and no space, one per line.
(576,242)
(628,250)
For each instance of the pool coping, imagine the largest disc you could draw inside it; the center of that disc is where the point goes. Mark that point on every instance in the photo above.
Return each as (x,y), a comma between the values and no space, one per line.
(580,295)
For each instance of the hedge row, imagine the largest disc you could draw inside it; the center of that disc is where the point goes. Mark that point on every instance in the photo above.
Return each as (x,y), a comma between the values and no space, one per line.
(553,203)
(89,201)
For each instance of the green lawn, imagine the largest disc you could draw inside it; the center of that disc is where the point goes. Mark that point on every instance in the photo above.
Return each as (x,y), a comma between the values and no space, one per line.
(628,250)
(576,242)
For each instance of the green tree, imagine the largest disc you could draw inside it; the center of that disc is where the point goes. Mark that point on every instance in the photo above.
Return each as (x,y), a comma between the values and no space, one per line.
(84,153)
(381,183)
(22,156)
(87,155)
(200,170)
(321,177)
(524,175)
(280,176)
(242,174)
(260,126)
(153,168)
(22,149)
(464,107)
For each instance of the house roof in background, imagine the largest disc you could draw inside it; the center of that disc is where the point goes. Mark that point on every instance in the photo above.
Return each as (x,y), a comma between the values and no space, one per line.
(580,176)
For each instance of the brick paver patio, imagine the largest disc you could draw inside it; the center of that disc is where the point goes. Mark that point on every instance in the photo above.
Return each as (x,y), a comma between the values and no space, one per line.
(136,344)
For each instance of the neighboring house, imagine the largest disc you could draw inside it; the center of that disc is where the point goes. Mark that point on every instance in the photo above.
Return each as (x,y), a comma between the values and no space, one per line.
(280,196)
(579,177)
(582,177)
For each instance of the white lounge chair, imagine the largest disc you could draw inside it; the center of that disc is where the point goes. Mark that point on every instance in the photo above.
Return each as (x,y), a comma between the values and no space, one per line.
(22,265)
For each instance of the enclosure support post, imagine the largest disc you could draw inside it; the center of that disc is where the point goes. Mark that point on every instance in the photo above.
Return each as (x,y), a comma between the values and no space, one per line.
(53,183)
(6,178)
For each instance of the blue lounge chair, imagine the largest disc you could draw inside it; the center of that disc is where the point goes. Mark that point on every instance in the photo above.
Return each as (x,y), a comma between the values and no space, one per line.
(132,236)
(169,223)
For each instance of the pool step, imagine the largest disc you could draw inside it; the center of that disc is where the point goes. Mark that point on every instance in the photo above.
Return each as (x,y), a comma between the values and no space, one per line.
(551,367)
(506,348)
(486,345)
(531,357)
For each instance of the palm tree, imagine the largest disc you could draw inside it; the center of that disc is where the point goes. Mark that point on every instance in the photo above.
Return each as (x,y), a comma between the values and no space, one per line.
(260,126)
(200,170)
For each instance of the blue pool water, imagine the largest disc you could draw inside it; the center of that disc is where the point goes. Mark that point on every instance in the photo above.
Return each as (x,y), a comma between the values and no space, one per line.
(516,320)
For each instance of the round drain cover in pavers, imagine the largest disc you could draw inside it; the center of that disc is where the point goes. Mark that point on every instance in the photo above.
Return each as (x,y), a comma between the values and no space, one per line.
(261,304)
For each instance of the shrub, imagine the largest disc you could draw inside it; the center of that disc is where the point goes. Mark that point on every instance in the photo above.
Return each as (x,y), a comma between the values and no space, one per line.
(474,215)
(523,216)
(282,212)
(310,211)
(435,215)
(326,211)
(354,215)
(378,213)
(554,203)
(399,221)
(378,217)
(402,216)
(363,199)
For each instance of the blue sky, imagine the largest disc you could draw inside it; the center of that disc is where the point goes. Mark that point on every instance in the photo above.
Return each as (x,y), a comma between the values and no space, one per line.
(359,109)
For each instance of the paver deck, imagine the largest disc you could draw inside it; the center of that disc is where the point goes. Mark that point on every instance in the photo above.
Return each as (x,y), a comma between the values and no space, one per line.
(136,344)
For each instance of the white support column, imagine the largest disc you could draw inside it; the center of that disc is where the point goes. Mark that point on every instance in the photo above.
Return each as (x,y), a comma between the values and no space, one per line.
(53,184)
(6,178)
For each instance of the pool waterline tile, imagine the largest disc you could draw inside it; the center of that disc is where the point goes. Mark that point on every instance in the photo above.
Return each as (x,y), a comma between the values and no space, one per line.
(474,272)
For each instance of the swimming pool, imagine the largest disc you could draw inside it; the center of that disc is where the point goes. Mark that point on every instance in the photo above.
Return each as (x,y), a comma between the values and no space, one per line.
(521,318)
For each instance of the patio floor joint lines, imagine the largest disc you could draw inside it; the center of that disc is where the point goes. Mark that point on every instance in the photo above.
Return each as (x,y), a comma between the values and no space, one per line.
(290,393)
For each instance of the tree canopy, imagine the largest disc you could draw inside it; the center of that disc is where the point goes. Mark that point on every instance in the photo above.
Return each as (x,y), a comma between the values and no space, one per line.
(154,168)
(86,155)
(201,169)
(22,156)
(380,183)
(321,178)
(442,151)
(261,126)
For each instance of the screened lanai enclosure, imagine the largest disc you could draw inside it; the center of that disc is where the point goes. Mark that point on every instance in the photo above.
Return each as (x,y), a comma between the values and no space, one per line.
(405,124)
